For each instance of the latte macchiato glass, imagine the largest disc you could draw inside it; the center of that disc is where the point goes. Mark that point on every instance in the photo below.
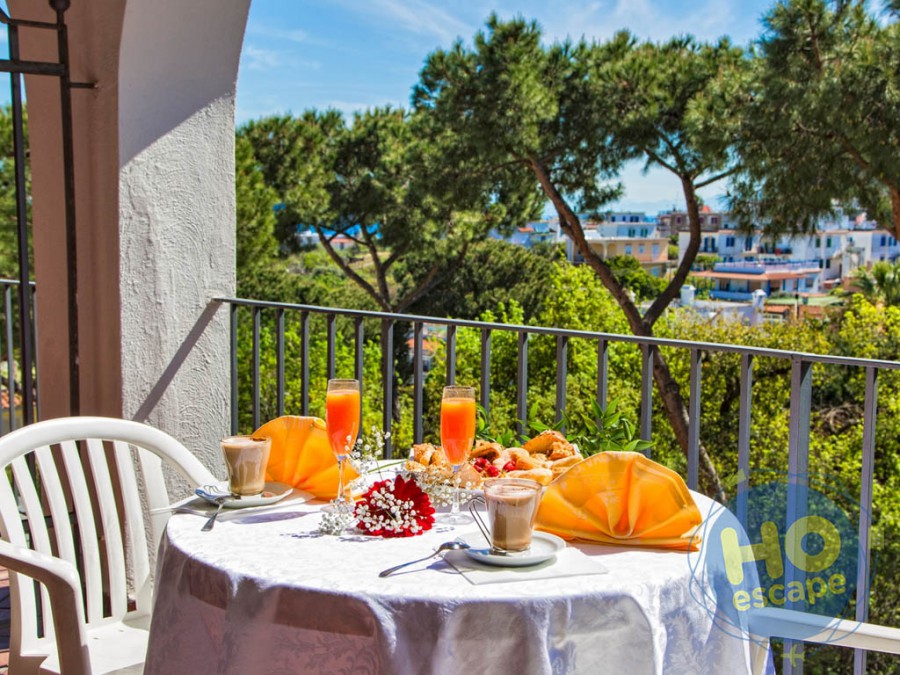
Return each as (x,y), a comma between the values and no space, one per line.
(246,458)
(512,505)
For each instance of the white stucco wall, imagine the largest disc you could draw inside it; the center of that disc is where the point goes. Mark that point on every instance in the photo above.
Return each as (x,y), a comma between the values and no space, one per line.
(177,76)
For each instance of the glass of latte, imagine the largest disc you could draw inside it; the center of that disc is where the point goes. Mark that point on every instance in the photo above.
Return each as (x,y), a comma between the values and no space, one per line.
(246,458)
(512,505)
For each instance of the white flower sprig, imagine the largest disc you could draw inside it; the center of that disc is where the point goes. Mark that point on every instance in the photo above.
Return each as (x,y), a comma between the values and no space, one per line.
(336,521)
(440,489)
(368,450)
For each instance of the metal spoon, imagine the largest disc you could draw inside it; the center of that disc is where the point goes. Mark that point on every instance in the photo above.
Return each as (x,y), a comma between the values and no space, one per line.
(220,502)
(446,546)
(212,493)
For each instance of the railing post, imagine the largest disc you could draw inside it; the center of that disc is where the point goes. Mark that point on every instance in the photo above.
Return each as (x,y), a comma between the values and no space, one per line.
(29,342)
(486,371)
(602,374)
(562,363)
(744,419)
(694,422)
(358,344)
(451,354)
(234,369)
(279,358)
(255,371)
(798,482)
(647,353)
(418,383)
(330,319)
(10,356)
(304,363)
(522,385)
(387,356)
(863,557)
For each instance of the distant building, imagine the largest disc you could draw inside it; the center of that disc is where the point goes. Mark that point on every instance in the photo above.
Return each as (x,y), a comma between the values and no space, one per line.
(674,221)
(629,234)
(791,264)
(738,281)
(537,232)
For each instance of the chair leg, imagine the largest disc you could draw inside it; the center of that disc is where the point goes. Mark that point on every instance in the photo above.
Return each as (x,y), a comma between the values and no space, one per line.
(759,654)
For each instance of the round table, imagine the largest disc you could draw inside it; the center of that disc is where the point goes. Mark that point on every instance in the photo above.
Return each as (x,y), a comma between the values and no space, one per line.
(264,593)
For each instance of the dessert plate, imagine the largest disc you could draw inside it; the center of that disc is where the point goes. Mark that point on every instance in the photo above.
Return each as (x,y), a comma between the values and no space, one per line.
(272,492)
(544,546)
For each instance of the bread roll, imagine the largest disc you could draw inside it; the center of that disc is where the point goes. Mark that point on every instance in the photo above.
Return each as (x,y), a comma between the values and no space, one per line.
(540,475)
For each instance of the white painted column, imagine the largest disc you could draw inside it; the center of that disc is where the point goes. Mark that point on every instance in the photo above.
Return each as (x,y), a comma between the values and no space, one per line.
(178,67)
(154,161)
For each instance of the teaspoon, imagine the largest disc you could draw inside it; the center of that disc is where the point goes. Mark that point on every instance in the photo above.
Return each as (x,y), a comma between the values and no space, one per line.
(446,546)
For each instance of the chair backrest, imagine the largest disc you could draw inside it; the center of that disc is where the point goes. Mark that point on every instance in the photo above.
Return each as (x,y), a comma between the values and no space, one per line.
(83,489)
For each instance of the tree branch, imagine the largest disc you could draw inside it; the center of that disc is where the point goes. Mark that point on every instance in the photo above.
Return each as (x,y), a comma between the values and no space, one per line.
(429,280)
(346,269)
(659,160)
(713,179)
(664,299)
(380,270)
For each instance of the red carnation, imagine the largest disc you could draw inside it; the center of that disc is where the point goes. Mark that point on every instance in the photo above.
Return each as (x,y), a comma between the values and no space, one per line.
(394,508)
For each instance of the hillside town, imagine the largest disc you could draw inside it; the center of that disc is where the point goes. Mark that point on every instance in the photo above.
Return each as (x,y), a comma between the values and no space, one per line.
(737,274)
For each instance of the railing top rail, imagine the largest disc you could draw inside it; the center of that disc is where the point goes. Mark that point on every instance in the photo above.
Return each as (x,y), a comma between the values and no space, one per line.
(543,330)
(13,282)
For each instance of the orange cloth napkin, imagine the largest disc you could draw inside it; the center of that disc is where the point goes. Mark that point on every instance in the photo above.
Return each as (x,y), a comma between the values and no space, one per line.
(301,456)
(621,498)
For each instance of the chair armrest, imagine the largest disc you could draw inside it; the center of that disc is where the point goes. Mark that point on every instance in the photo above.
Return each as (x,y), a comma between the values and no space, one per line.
(793,625)
(64,587)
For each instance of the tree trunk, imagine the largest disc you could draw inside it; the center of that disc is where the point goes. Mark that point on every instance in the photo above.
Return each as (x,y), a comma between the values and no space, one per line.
(670,393)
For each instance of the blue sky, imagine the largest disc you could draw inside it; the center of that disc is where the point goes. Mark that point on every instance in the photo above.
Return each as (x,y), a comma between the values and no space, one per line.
(355,54)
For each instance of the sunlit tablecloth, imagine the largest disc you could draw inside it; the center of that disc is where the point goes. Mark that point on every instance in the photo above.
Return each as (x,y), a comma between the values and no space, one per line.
(262,593)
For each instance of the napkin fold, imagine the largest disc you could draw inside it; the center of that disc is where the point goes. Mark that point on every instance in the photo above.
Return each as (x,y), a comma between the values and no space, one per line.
(621,498)
(569,562)
(301,455)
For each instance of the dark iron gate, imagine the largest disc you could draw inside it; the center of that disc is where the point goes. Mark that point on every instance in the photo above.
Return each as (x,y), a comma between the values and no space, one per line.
(17,67)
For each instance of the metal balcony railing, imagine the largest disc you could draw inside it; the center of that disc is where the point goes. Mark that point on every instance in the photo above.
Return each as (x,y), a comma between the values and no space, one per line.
(11,412)
(801,388)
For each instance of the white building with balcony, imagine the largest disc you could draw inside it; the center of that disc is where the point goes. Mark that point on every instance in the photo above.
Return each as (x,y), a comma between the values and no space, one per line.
(630,234)
(835,251)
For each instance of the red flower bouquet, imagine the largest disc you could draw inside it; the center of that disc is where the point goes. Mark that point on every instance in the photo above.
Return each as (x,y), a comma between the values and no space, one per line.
(394,508)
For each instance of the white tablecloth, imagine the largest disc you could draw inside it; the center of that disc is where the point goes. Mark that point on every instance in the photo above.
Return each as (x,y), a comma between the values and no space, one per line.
(263,593)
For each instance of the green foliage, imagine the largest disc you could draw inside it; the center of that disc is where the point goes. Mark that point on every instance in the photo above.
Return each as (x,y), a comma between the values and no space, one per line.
(602,430)
(881,283)
(389,185)
(493,273)
(827,81)
(629,272)
(9,239)
(255,202)
(705,261)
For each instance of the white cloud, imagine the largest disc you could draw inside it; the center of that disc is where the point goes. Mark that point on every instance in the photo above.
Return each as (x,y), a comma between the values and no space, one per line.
(290,34)
(256,58)
(415,16)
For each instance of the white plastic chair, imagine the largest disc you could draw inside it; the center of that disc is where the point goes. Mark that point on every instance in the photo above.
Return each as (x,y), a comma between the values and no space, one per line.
(93,560)
(770,622)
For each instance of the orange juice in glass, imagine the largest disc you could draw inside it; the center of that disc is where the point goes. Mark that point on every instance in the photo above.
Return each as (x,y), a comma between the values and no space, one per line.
(457,437)
(342,412)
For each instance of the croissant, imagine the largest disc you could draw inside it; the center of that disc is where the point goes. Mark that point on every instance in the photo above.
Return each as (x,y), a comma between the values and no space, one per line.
(544,441)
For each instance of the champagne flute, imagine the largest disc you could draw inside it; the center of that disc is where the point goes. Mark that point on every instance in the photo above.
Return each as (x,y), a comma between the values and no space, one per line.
(457,437)
(342,410)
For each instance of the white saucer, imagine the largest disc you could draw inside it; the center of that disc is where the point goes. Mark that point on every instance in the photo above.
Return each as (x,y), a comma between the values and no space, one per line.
(544,546)
(273,492)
